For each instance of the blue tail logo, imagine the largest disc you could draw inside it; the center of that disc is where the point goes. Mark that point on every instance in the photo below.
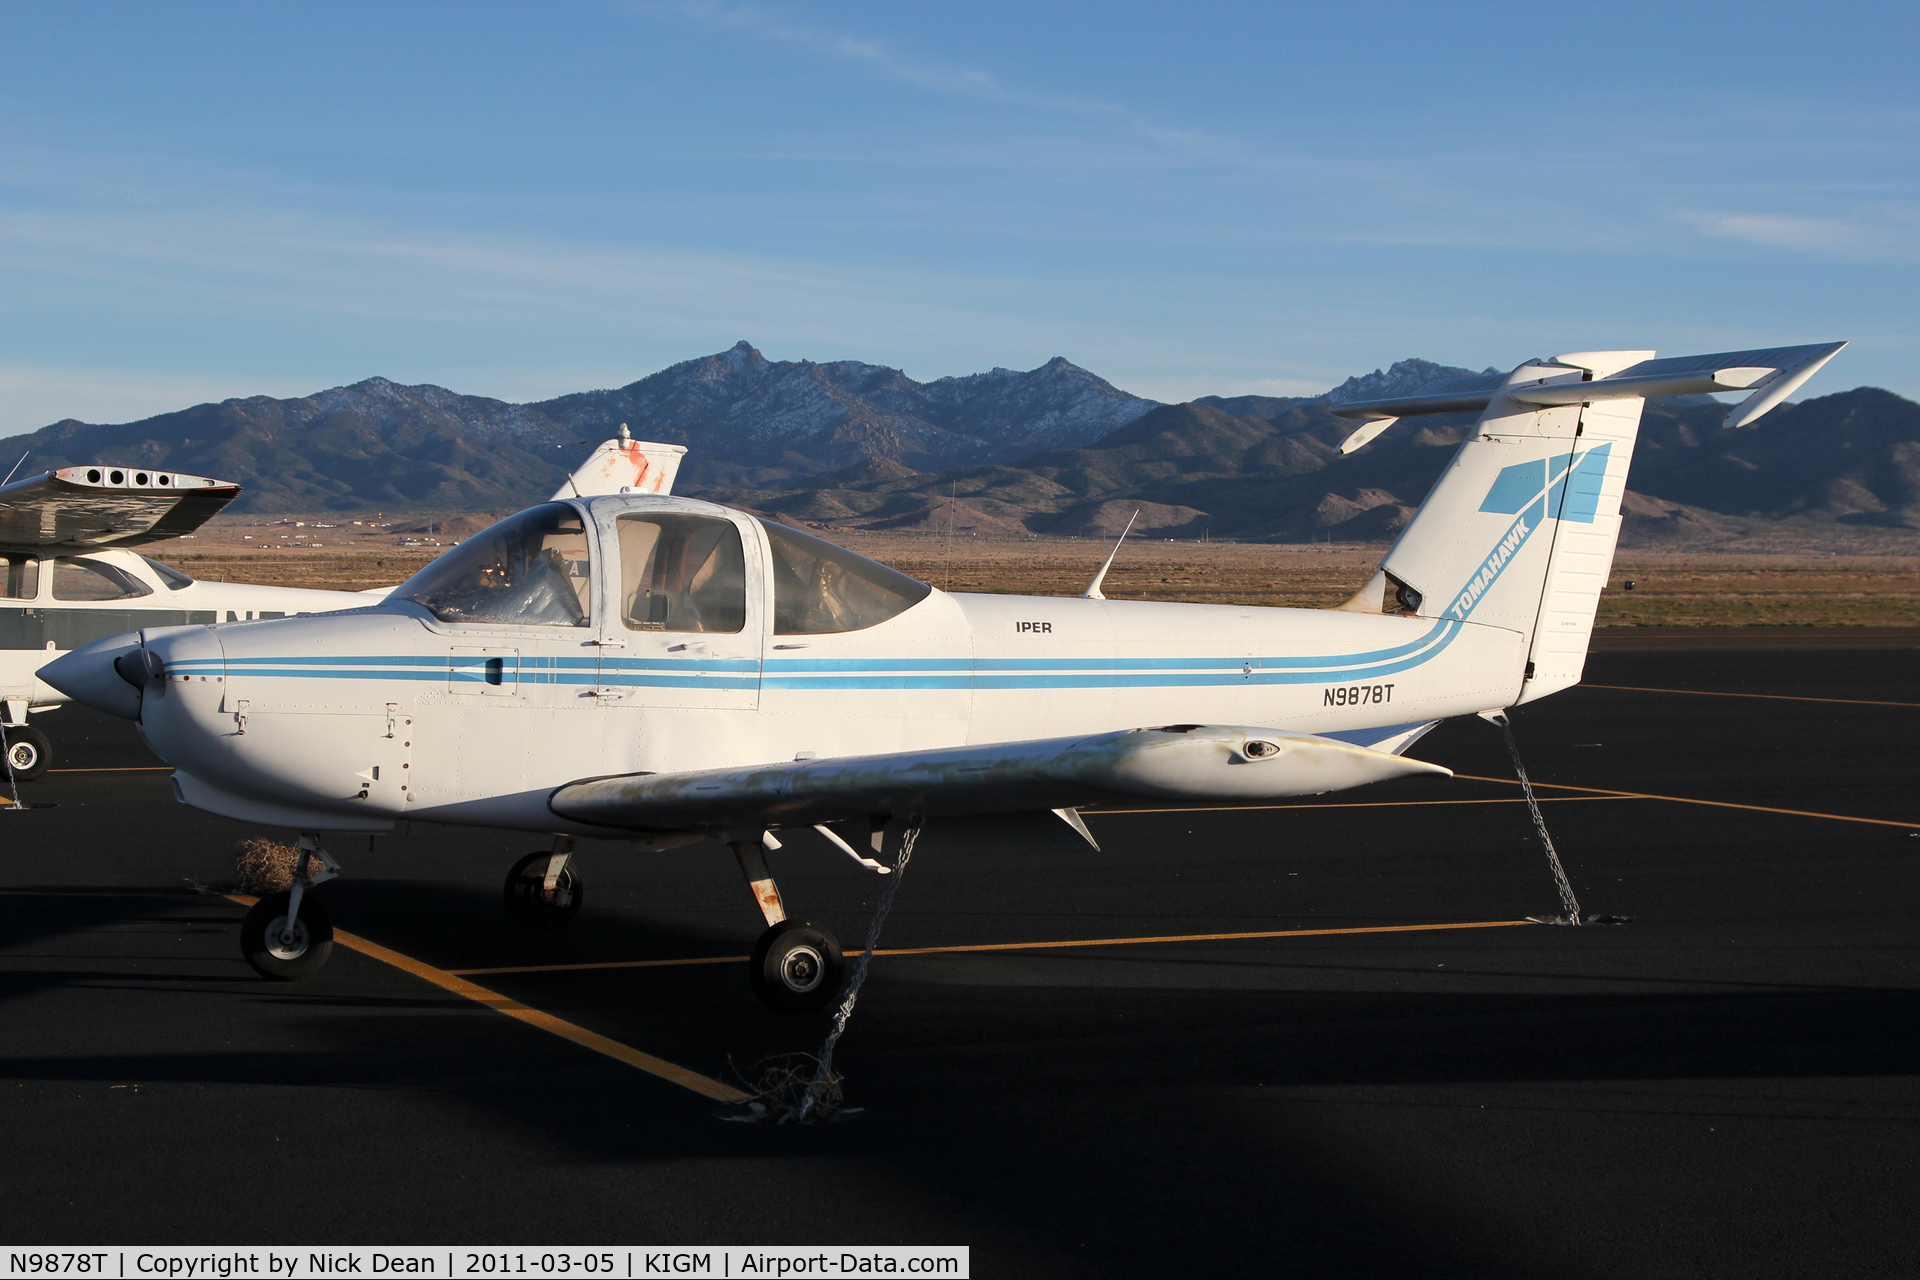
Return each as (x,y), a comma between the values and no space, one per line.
(1565,488)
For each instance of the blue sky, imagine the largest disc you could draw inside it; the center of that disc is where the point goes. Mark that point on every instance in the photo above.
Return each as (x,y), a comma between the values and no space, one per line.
(200,200)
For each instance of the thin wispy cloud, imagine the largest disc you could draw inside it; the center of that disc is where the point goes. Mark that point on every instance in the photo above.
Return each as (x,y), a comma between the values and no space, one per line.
(885,58)
(1843,238)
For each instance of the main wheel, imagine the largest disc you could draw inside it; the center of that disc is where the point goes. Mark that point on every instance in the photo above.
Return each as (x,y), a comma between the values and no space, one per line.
(28,752)
(276,953)
(528,900)
(796,966)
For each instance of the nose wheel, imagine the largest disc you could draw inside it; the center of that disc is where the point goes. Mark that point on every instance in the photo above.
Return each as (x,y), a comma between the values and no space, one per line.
(543,895)
(283,949)
(796,967)
(286,936)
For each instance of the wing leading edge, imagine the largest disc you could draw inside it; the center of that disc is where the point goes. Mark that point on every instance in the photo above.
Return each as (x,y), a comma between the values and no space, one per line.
(1177,762)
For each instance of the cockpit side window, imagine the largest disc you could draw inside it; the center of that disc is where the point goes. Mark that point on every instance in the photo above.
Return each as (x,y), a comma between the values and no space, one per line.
(819,588)
(681,573)
(531,569)
(75,579)
(19,577)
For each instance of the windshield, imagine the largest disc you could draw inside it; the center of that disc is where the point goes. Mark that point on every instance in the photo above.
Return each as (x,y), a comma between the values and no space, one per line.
(530,569)
(174,579)
(818,587)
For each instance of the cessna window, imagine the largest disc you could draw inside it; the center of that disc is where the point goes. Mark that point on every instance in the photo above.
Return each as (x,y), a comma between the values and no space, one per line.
(95,580)
(529,569)
(174,579)
(19,577)
(681,573)
(818,587)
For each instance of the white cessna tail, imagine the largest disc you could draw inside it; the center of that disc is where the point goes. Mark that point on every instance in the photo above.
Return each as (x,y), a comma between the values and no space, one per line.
(629,665)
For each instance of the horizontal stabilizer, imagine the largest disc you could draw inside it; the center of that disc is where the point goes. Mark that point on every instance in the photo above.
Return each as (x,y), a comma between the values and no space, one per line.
(624,465)
(1771,374)
(87,508)
(1178,762)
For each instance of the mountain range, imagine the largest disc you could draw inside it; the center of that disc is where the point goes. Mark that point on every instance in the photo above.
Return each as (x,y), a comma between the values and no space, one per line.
(1054,450)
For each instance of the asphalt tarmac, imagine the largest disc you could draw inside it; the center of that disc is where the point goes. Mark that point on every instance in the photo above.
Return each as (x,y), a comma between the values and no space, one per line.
(1723,1086)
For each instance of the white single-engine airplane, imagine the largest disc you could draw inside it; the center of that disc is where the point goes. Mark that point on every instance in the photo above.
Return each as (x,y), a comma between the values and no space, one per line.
(661,670)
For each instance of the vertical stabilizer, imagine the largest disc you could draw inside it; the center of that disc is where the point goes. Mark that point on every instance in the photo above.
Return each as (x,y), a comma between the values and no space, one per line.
(1520,530)
(625,465)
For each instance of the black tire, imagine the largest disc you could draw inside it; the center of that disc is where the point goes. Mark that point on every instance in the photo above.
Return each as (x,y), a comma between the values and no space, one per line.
(796,967)
(528,900)
(269,955)
(29,754)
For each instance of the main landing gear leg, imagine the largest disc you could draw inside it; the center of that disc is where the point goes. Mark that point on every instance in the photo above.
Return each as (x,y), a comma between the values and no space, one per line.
(796,965)
(545,890)
(286,936)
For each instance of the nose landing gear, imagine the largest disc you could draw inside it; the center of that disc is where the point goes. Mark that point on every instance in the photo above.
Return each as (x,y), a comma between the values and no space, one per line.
(286,936)
(282,946)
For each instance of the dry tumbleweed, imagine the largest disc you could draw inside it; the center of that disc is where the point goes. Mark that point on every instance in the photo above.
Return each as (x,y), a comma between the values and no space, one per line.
(264,866)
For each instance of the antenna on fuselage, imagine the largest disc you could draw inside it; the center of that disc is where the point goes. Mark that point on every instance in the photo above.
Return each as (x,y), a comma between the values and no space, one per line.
(1093,588)
(16,467)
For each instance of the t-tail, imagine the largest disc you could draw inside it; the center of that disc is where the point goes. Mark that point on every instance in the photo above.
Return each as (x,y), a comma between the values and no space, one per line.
(624,465)
(1521,528)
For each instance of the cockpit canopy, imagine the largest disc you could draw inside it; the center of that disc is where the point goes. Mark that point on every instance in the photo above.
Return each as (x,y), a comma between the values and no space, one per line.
(532,569)
(666,570)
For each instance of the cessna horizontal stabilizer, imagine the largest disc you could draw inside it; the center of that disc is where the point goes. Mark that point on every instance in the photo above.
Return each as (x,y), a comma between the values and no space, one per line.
(624,465)
(1771,374)
(87,508)
(1178,762)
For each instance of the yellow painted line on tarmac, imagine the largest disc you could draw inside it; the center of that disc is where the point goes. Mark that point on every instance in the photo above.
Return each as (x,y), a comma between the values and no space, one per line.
(1717,804)
(493,1000)
(1024,946)
(1776,697)
(1345,804)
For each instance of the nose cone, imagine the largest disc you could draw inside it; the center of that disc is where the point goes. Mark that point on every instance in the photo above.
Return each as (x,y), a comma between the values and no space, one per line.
(90,675)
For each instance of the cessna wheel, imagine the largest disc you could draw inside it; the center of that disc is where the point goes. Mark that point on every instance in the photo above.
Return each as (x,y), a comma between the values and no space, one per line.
(28,752)
(796,966)
(528,900)
(280,954)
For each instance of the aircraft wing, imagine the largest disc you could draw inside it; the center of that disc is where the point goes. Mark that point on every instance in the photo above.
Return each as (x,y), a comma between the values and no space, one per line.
(1178,762)
(86,508)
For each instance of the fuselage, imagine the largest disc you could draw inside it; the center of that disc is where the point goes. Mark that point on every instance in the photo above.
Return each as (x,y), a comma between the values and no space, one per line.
(395,711)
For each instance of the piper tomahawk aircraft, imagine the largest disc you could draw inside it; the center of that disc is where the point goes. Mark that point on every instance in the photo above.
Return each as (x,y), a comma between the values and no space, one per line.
(659,669)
